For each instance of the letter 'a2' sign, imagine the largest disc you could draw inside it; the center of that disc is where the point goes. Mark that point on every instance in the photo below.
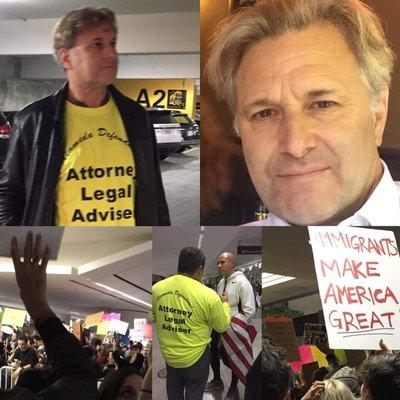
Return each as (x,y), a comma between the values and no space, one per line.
(358,272)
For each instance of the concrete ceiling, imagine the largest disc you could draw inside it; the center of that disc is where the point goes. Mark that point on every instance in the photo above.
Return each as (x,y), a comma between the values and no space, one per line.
(117,257)
(36,9)
(168,242)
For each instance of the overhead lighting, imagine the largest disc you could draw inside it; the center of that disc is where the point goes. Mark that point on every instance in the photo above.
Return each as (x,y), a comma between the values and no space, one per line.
(51,269)
(272,279)
(122,293)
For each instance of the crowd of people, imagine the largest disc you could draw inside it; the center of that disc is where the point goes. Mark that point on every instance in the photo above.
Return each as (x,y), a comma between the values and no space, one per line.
(51,363)
(376,378)
(24,352)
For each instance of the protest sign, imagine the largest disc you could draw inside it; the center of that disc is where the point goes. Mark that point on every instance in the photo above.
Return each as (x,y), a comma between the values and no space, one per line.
(110,316)
(103,328)
(94,319)
(314,333)
(119,326)
(358,272)
(282,331)
(77,329)
(13,317)
(138,324)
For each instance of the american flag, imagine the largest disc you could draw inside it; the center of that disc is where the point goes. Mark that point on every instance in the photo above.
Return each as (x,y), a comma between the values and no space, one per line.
(237,341)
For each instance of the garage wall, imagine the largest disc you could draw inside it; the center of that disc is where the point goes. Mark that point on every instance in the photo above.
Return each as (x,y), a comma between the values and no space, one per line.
(17,93)
(130,66)
(144,33)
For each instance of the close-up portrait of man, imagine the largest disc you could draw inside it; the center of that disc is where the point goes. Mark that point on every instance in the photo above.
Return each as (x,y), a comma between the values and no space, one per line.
(307,84)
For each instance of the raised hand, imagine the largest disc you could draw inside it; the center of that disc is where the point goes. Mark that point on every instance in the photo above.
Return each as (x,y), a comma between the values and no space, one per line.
(31,276)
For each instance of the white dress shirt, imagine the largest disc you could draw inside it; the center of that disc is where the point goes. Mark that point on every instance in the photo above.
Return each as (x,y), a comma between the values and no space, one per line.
(381,209)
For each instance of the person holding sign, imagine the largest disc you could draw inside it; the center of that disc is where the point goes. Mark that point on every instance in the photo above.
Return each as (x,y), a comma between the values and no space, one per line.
(184,311)
(307,82)
(86,155)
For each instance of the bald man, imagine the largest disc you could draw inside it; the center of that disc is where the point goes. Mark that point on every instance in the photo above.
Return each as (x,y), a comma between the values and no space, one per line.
(240,295)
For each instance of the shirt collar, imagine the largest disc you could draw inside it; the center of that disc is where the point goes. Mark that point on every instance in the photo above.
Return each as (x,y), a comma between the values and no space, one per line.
(382,207)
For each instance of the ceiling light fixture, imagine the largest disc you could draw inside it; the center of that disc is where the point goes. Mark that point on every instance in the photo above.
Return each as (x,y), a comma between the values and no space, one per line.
(122,293)
(51,269)
(273,279)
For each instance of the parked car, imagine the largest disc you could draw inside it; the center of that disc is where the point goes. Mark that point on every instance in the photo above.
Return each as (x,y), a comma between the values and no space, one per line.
(190,130)
(167,130)
(10,116)
(5,132)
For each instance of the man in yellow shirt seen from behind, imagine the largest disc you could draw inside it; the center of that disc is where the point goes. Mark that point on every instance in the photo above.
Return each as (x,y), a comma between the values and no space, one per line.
(185,311)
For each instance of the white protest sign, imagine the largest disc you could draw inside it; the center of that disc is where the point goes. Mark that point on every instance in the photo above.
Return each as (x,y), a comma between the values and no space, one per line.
(358,272)
(138,324)
(119,326)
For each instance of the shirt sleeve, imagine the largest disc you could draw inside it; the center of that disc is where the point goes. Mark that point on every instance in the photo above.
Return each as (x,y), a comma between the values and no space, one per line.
(247,301)
(220,315)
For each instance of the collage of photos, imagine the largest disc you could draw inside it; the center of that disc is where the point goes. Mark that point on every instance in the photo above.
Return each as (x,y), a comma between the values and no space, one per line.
(199,200)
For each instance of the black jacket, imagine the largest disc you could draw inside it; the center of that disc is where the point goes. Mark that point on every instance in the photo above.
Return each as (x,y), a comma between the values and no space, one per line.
(36,152)
(75,374)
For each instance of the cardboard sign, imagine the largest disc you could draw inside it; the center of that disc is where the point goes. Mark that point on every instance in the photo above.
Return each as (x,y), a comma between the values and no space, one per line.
(94,319)
(138,324)
(282,332)
(13,317)
(119,326)
(358,273)
(314,333)
(110,316)
(103,328)
(77,329)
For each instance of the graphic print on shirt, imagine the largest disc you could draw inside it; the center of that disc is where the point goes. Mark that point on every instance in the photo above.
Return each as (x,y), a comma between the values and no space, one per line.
(175,319)
(97,179)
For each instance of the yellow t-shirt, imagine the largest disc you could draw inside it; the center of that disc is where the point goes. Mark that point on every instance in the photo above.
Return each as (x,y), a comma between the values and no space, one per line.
(185,311)
(97,178)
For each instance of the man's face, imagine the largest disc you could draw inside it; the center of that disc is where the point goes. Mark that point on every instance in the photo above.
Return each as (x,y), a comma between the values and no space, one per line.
(309,134)
(93,60)
(22,345)
(226,264)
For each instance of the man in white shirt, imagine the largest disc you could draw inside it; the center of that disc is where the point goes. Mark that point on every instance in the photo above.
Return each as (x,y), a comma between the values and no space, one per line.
(309,94)
(239,291)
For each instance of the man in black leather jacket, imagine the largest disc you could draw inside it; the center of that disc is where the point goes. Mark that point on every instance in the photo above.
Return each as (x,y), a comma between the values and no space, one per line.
(37,151)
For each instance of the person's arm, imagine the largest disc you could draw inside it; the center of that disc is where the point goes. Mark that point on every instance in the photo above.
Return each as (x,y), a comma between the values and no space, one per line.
(316,389)
(73,369)
(162,206)
(146,390)
(247,299)
(12,180)
(220,314)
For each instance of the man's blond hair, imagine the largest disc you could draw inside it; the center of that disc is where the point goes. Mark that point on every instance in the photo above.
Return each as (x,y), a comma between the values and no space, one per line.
(359,25)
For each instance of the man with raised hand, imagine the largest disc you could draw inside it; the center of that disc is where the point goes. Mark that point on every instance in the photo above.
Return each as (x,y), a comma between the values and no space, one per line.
(76,377)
